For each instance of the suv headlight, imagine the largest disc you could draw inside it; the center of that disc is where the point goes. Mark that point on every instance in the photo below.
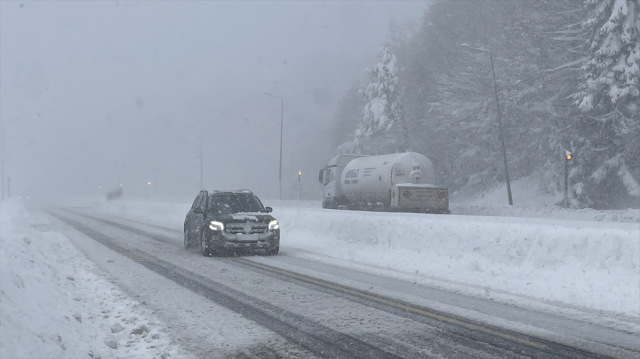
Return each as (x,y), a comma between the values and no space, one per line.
(273,225)
(216,226)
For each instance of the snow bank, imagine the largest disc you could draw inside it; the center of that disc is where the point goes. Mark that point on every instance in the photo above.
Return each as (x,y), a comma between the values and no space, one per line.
(589,264)
(530,202)
(586,214)
(581,263)
(54,306)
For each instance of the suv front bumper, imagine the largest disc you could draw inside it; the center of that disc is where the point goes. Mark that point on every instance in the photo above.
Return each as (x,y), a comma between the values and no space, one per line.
(259,241)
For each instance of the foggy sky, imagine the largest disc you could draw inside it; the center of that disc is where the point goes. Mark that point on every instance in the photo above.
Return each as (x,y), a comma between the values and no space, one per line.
(99,93)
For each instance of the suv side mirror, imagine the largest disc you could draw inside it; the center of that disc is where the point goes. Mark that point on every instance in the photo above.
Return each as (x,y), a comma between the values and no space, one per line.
(268,209)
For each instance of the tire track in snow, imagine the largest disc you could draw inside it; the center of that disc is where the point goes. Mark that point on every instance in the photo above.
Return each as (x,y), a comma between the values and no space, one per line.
(322,341)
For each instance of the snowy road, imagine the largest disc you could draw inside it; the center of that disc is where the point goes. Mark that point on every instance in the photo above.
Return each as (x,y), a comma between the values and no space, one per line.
(285,306)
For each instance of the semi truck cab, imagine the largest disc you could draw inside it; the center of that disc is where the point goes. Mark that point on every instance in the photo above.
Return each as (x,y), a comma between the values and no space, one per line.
(330,177)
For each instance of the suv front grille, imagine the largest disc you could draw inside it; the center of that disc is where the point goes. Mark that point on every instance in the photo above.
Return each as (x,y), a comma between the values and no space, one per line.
(245,228)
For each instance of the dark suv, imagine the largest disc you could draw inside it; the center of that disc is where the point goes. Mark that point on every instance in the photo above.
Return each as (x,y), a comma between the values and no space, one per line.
(230,220)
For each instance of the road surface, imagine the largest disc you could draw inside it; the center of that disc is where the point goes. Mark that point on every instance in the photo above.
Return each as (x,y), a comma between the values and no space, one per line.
(288,307)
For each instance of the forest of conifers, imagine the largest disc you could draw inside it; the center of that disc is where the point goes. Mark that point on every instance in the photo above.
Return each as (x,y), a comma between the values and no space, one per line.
(567,80)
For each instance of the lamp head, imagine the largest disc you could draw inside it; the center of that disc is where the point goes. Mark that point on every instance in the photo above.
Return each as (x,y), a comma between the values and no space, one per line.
(568,155)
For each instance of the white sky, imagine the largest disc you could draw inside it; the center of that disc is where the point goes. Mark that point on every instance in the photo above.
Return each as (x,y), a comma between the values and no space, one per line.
(93,93)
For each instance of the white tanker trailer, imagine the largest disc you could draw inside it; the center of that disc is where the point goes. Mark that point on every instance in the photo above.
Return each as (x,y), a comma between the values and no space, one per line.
(396,182)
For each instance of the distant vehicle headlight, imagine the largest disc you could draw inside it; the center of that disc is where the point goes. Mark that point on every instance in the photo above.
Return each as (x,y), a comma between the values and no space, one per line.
(273,225)
(216,226)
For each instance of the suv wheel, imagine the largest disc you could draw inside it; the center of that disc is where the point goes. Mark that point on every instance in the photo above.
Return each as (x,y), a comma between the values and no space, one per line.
(204,245)
(187,244)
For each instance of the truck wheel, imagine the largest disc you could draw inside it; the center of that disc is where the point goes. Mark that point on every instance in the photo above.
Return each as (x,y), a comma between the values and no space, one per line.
(204,245)
(329,204)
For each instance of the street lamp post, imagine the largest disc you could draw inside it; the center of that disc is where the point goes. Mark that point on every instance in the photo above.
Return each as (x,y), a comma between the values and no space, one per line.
(495,90)
(567,158)
(281,123)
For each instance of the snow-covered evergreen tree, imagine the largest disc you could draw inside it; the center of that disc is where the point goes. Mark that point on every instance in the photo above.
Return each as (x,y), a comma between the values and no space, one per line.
(539,47)
(382,128)
(607,152)
(612,71)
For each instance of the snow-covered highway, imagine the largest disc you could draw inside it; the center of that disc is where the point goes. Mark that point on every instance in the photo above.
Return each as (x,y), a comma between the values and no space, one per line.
(312,301)
(340,312)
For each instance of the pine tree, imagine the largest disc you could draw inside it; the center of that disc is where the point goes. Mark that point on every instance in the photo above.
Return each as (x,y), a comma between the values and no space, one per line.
(382,128)
(539,46)
(606,172)
(612,71)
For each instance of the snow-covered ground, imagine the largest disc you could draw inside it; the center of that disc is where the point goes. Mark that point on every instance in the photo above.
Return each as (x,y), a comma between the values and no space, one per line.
(55,304)
(532,252)
(529,202)
(583,257)
(579,262)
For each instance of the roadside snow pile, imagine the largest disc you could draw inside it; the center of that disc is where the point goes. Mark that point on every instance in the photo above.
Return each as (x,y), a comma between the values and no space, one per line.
(297,204)
(54,306)
(530,202)
(590,264)
(586,214)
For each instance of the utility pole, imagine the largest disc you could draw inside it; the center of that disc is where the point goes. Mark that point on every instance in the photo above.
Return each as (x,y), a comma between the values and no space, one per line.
(201,159)
(2,161)
(495,90)
(281,127)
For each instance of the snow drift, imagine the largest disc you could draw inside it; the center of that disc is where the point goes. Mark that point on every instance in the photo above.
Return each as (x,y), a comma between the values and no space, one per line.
(55,306)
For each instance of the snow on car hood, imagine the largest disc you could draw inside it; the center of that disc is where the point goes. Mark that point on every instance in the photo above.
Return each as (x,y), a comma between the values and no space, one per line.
(249,216)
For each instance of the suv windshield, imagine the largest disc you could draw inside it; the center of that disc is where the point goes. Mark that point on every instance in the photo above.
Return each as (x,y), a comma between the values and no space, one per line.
(234,203)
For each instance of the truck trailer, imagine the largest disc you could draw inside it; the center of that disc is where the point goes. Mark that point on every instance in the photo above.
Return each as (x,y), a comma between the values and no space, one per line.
(403,182)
